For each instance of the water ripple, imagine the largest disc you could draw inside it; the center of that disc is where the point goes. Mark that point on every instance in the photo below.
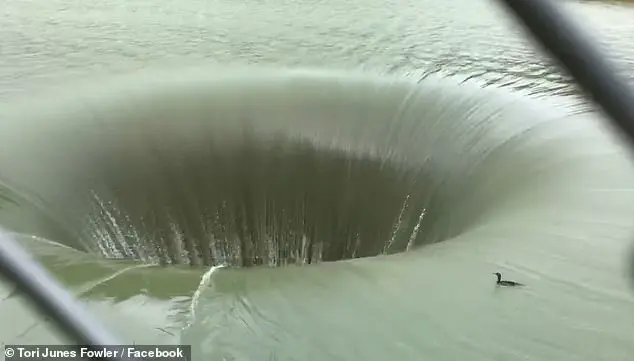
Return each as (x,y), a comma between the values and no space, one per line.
(45,44)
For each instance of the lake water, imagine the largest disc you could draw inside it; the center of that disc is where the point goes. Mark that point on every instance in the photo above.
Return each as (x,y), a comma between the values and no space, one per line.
(362,168)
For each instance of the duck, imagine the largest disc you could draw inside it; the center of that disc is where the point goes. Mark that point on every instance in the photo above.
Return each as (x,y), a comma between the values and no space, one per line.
(506,283)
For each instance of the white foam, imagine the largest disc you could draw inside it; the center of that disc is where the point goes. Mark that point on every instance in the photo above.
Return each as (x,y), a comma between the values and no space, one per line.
(204,281)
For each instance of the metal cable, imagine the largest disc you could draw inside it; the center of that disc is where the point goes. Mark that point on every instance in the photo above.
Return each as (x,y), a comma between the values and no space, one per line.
(565,40)
(51,299)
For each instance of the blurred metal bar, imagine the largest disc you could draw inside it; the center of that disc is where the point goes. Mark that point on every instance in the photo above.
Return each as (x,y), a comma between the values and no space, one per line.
(49,298)
(567,43)
(565,40)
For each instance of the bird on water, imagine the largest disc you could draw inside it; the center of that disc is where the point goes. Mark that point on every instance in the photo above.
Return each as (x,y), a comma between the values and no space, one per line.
(500,282)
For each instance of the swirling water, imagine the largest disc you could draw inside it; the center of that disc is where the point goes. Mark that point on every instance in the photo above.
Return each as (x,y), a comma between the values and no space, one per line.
(245,165)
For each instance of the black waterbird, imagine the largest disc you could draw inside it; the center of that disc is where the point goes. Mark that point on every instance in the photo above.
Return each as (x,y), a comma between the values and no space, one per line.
(506,283)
